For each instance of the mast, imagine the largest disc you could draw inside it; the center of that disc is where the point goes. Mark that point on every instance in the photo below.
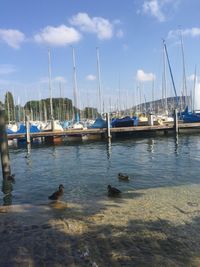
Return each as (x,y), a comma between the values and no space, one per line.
(75,87)
(164,82)
(194,90)
(99,81)
(119,95)
(184,72)
(170,70)
(60,109)
(50,86)
(153,104)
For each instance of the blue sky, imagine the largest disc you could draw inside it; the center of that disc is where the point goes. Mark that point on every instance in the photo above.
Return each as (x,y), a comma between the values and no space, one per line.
(127,33)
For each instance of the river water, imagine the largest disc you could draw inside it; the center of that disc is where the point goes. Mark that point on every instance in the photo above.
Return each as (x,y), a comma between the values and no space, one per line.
(159,208)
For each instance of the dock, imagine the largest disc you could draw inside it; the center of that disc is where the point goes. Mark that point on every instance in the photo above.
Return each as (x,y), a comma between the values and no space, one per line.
(165,129)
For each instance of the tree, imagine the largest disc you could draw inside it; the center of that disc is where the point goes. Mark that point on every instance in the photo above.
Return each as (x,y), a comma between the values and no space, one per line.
(9,107)
(90,113)
(40,109)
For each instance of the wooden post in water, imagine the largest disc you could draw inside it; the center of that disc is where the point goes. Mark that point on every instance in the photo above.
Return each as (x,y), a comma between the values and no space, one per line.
(108,125)
(52,125)
(28,139)
(176,121)
(5,160)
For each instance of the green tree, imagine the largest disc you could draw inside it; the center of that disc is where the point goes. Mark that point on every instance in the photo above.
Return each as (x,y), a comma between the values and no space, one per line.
(9,107)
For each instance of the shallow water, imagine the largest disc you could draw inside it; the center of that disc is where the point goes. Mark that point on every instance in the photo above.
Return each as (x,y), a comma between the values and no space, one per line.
(85,169)
(155,222)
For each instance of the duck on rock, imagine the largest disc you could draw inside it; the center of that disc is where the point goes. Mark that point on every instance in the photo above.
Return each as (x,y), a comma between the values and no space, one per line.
(112,191)
(123,177)
(56,195)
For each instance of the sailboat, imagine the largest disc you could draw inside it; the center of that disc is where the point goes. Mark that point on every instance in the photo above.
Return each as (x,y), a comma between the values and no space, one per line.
(76,121)
(99,122)
(194,115)
(52,125)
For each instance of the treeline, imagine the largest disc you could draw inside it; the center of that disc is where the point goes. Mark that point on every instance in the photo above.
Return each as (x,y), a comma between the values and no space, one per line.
(63,109)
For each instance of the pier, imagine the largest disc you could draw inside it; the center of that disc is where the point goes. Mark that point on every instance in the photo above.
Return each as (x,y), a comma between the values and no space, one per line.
(165,129)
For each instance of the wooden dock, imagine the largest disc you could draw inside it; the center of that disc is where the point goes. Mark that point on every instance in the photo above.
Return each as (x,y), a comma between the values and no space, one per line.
(166,128)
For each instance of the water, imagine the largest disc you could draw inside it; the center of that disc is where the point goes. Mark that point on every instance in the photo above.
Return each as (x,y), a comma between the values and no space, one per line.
(155,222)
(85,169)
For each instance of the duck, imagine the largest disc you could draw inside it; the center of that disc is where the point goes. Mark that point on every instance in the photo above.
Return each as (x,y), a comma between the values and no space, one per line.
(56,195)
(123,177)
(112,191)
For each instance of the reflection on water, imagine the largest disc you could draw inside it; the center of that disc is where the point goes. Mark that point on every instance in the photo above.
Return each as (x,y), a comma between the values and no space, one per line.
(86,169)
(28,149)
(176,144)
(7,188)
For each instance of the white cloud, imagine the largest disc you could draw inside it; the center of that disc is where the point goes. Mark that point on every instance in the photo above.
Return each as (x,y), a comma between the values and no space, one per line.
(58,36)
(98,25)
(13,38)
(91,77)
(192,32)
(141,76)
(158,8)
(7,69)
(153,8)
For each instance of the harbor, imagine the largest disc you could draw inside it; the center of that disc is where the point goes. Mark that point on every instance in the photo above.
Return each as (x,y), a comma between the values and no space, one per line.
(99,133)
(103,132)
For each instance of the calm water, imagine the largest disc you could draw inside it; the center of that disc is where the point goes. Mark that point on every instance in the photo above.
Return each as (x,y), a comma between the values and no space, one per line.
(85,169)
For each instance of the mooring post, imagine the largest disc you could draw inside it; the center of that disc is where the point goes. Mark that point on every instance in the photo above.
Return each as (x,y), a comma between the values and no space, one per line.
(176,121)
(28,139)
(52,125)
(5,160)
(108,125)
(150,119)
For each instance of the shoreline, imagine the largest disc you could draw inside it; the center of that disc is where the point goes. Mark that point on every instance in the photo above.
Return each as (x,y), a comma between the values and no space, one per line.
(159,227)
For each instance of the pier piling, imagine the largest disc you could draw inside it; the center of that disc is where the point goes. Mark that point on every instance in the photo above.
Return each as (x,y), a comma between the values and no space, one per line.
(176,121)
(5,160)
(108,125)
(28,139)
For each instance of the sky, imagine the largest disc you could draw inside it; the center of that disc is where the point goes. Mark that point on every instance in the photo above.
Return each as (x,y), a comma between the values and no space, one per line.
(128,35)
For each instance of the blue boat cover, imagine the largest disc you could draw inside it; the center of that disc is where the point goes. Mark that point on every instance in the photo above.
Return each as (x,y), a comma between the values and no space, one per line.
(33,129)
(125,122)
(99,123)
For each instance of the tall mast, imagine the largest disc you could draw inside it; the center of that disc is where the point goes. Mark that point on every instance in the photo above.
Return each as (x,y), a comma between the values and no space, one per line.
(99,81)
(194,90)
(184,73)
(164,83)
(50,86)
(170,70)
(75,87)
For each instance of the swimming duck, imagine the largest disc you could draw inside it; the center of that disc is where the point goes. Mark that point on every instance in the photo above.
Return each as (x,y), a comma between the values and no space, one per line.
(123,177)
(56,195)
(112,191)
